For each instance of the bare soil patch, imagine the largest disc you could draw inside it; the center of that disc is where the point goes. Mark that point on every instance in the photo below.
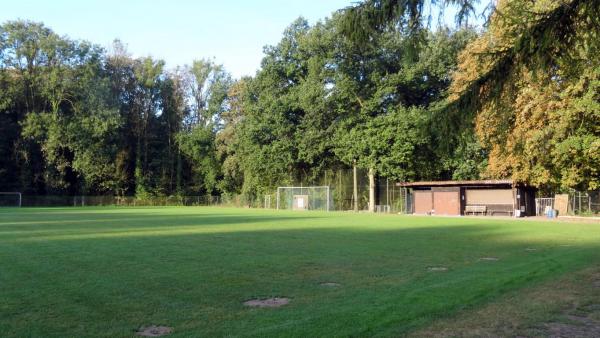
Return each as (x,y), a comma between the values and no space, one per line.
(575,326)
(530,249)
(437,268)
(331,284)
(489,259)
(269,302)
(154,331)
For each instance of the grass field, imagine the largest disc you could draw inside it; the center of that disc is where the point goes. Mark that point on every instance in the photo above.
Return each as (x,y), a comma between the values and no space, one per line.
(108,271)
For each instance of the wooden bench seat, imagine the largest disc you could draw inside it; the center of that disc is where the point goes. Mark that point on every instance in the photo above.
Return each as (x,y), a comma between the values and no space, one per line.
(475,209)
(506,212)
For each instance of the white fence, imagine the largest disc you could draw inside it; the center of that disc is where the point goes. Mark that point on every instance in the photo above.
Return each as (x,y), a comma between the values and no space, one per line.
(542,203)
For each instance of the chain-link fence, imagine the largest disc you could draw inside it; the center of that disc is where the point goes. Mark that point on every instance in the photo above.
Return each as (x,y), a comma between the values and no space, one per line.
(584,203)
(79,201)
(388,196)
(304,198)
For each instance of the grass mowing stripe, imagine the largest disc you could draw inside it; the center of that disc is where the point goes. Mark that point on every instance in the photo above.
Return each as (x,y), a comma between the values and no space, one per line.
(108,271)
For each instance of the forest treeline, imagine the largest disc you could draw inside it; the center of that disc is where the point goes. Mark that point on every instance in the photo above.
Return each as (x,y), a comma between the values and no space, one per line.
(518,99)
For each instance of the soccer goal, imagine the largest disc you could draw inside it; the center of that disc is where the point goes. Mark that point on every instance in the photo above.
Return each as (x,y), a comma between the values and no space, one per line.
(10,199)
(303,198)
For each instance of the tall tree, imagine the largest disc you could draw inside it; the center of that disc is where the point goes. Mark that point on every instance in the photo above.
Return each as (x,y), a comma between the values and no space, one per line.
(532,80)
(61,81)
(207,87)
(322,101)
(368,18)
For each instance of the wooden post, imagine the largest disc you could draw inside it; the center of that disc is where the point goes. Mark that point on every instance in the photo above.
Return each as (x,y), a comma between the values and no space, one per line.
(387,192)
(355,196)
(515,202)
(371,190)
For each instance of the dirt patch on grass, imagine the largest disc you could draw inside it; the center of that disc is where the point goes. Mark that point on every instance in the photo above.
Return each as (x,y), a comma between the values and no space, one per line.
(330,284)
(489,259)
(437,268)
(154,331)
(269,302)
(567,307)
(580,321)
(575,327)
(530,249)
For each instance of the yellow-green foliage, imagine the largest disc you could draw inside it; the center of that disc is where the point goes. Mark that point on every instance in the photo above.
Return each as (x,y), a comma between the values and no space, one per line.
(535,74)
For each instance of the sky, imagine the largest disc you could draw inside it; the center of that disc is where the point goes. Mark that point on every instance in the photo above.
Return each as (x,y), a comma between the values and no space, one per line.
(233,32)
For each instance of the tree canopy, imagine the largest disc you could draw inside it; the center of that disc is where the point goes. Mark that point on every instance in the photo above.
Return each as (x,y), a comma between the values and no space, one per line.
(375,85)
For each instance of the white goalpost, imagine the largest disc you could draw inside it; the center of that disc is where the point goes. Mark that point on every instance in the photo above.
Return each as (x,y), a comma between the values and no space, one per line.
(304,198)
(267,202)
(10,199)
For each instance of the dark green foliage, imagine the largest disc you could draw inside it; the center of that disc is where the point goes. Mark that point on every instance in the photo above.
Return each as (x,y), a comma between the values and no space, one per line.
(369,86)
(81,120)
(395,145)
(369,18)
(320,102)
(78,120)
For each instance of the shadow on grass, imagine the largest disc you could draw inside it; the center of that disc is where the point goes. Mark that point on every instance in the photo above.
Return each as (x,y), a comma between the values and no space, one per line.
(208,268)
(130,221)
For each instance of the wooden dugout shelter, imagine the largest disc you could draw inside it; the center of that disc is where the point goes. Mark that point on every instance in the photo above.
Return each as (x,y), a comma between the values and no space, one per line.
(482,197)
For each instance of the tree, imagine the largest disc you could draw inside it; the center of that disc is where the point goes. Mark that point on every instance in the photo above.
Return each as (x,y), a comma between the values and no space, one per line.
(532,81)
(62,85)
(371,17)
(400,104)
(271,112)
(173,112)
(79,120)
(322,101)
(207,86)
(228,139)
(532,71)
(393,145)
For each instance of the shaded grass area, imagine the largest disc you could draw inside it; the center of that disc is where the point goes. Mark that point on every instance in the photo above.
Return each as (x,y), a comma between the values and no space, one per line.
(108,271)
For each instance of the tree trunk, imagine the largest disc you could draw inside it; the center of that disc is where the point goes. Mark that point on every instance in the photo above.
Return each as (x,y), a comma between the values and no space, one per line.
(355,195)
(371,190)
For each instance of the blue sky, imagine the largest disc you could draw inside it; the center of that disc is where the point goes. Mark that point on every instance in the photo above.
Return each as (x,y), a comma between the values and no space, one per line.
(178,31)
(233,32)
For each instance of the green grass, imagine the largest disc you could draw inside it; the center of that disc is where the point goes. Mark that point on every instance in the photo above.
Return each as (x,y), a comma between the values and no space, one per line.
(107,271)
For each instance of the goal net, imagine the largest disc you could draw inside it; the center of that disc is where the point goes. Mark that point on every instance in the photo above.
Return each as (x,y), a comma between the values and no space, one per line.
(10,199)
(303,198)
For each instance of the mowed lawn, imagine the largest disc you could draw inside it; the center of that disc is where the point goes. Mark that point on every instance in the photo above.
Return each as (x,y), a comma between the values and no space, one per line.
(108,271)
